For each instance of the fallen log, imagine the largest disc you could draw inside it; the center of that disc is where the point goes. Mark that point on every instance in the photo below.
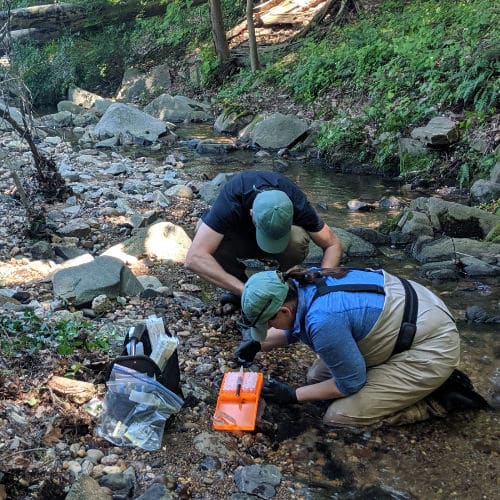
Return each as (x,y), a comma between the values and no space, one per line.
(60,17)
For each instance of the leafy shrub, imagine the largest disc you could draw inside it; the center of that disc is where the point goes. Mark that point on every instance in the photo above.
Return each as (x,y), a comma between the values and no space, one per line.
(345,136)
(30,334)
(93,61)
(416,165)
(46,70)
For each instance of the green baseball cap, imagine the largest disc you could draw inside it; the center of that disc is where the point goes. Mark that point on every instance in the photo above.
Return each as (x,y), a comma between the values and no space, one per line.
(273,215)
(264,293)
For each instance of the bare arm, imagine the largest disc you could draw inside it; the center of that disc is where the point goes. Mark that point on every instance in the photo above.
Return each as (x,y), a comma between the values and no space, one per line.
(331,245)
(275,338)
(327,389)
(200,260)
(322,390)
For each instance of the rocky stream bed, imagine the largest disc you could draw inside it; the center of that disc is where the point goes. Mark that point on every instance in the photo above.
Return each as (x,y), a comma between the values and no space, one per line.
(48,442)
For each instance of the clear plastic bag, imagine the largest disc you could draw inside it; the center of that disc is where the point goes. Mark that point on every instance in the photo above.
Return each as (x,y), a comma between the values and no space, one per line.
(135,409)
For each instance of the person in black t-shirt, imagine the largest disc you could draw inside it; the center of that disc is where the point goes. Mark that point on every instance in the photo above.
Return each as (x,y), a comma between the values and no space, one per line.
(258,215)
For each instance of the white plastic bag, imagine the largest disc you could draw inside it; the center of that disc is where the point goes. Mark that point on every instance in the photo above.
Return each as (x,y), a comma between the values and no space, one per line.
(135,409)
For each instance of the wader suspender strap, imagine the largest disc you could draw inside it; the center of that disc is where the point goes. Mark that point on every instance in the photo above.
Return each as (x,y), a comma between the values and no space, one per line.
(322,288)
(408,325)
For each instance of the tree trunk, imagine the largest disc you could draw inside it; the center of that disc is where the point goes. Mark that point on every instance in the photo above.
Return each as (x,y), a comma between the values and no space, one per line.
(219,32)
(59,17)
(252,41)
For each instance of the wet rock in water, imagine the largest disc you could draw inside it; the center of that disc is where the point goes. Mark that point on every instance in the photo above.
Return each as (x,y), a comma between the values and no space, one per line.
(391,202)
(381,493)
(371,235)
(322,205)
(258,480)
(476,314)
(360,206)
(156,492)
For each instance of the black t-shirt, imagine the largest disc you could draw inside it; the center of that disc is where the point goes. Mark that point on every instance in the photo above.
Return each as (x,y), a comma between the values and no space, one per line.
(230,212)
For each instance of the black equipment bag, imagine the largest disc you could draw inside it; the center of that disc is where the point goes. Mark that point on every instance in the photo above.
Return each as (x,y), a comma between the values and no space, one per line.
(168,377)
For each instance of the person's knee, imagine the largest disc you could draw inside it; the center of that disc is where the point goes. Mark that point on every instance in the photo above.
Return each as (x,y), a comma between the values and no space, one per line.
(341,414)
(297,249)
(299,241)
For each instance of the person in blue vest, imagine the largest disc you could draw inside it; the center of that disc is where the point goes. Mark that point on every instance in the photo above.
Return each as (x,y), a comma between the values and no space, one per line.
(257,215)
(384,344)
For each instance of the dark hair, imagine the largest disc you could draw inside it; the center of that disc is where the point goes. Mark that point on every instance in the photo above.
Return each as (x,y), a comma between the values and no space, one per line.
(305,276)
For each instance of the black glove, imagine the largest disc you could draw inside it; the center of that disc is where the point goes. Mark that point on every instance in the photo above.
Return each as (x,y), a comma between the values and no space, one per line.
(246,351)
(278,392)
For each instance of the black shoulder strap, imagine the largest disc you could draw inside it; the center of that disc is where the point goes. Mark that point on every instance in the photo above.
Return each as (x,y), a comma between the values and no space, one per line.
(322,288)
(409,324)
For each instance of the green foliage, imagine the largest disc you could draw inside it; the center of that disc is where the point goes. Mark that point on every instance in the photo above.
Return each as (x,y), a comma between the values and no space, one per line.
(408,62)
(412,165)
(30,334)
(209,62)
(494,234)
(390,224)
(45,70)
(345,136)
(463,177)
(176,30)
(245,83)
(92,61)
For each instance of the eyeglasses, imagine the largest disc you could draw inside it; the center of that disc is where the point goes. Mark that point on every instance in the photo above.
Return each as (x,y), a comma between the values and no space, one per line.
(254,323)
(247,324)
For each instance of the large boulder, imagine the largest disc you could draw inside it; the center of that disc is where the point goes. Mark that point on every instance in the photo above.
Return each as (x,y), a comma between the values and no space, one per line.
(352,246)
(211,189)
(136,84)
(81,283)
(439,131)
(444,249)
(452,219)
(124,121)
(277,131)
(14,113)
(231,122)
(82,98)
(178,109)
(163,241)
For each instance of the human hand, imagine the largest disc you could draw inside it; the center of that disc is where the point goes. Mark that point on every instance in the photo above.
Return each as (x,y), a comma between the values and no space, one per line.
(278,392)
(246,351)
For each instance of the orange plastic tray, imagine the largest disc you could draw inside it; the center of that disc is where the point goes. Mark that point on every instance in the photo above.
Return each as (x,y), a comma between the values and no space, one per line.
(238,401)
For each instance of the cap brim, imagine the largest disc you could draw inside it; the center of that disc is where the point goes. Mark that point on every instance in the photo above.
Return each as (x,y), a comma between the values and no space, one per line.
(259,332)
(272,245)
